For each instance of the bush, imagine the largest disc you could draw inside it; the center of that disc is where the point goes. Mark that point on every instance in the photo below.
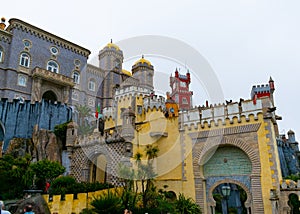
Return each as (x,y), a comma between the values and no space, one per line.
(68,185)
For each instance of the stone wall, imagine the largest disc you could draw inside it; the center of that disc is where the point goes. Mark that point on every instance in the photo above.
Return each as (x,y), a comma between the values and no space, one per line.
(18,119)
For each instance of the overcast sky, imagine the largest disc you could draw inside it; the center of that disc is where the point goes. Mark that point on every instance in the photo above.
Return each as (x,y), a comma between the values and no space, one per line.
(245,42)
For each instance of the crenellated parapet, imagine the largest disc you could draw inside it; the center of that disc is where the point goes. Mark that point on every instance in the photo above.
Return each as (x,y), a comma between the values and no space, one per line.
(290,185)
(260,91)
(131,91)
(154,101)
(221,113)
(109,112)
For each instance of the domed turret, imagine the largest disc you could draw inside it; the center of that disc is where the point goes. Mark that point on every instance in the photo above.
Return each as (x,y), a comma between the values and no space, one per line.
(143,71)
(112,45)
(110,57)
(142,61)
(110,61)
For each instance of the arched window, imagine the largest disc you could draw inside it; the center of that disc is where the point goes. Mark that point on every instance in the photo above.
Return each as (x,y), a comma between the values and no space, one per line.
(52,66)
(76,77)
(1,54)
(25,60)
(22,80)
(92,85)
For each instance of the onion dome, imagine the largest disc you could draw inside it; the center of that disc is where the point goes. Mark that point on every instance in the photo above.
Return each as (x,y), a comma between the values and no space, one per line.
(128,73)
(142,61)
(112,45)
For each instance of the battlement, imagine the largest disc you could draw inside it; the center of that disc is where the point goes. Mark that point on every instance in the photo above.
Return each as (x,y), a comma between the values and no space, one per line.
(290,185)
(71,203)
(154,101)
(221,112)
(109,112)
(131,91)
(260,90)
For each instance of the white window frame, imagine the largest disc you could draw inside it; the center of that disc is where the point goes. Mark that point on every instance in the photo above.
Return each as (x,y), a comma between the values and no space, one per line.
(76,77)
(92,85)
(53,66)
(20,82)
(25,59)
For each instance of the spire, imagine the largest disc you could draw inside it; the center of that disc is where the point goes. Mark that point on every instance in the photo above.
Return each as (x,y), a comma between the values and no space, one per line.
(111,41)
(271,84)
(176,73)
(142,56)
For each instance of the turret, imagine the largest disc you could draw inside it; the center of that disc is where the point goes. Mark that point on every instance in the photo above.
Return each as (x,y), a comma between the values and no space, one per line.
(72,128)
(171,109)
(110,61)
(176,73)
(188,76)
(144,72)
(259,91)
(128,124)
(292,141)
(291,136)
(128,129)
(272,89)
(271,84)
(180,90)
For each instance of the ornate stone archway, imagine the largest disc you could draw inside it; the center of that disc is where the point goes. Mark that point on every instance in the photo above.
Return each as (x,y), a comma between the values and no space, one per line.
(202,149)
(212,202)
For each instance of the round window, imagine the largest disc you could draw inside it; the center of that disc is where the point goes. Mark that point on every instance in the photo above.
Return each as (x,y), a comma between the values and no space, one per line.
(27,43)
(54,50)
(77,62)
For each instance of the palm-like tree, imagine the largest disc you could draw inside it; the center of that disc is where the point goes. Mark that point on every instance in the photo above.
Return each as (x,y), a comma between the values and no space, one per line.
(84,112)
(187,205)
(151,153)
(109,203)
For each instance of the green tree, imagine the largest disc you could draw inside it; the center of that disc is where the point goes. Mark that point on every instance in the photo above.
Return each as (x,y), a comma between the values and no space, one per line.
(108,203)
(63,185)
(46,170)
(187,205)
(15,176)
(148,174)
(84,112)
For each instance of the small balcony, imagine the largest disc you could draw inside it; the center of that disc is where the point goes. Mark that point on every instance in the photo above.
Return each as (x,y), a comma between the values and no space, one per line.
(58,79)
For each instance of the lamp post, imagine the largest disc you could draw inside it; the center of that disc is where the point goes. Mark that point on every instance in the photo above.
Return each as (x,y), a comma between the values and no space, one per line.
(226,194)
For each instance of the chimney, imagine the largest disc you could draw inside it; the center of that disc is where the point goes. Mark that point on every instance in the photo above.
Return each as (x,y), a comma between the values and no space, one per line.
(2,24)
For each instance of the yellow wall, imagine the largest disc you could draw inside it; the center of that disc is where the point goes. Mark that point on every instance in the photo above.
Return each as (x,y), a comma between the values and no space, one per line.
(71,205)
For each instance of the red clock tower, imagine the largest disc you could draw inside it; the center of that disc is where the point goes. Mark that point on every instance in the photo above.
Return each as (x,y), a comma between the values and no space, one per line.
(180,90)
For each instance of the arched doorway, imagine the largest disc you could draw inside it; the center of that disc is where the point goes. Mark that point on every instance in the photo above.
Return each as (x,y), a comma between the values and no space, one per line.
(231,167)
(294,203)
(230,198)
(50,96)
(98,169)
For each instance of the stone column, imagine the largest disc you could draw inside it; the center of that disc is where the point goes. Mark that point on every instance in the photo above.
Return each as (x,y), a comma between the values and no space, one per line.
(274,201)
(36,95)
(66,94)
